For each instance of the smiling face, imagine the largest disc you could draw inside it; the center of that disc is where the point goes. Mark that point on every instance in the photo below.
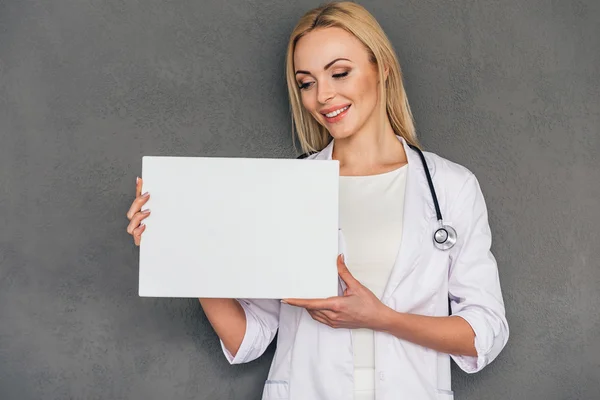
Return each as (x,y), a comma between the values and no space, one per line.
(338,82)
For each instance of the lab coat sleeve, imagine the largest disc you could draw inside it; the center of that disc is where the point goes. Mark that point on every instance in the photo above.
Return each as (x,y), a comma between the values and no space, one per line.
(474,285)
(262,322)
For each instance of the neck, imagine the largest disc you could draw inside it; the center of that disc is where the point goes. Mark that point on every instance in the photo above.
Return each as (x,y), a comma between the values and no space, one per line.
(369,152)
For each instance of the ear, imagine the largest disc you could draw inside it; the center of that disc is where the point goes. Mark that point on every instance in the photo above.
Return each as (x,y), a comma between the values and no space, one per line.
(386,73)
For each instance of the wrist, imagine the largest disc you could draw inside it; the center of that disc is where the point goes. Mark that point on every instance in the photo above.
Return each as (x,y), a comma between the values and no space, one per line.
(386,319)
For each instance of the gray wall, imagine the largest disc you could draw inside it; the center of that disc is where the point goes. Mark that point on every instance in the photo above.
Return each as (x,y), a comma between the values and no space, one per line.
(509,89)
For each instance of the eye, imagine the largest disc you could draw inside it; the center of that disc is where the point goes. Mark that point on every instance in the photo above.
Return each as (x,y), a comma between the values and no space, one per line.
(342,75)
(304,86)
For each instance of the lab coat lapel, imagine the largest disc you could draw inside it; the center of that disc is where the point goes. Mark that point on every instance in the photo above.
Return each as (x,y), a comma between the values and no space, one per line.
(418,211)
(326,153)
(418,208)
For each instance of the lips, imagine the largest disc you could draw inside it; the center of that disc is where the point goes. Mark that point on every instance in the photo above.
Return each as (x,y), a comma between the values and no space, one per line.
(336,113)
(333,108)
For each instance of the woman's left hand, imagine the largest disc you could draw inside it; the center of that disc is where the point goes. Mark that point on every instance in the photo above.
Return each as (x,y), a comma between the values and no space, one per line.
(357,308)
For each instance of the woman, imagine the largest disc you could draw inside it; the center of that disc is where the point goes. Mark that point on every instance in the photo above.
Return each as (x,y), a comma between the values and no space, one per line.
(388,335)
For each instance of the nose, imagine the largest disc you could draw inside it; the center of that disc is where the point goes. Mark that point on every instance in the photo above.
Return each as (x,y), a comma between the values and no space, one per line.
(325,92)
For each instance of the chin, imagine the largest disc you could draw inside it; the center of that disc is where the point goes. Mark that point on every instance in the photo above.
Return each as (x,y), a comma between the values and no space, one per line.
(341,135)
(345,131)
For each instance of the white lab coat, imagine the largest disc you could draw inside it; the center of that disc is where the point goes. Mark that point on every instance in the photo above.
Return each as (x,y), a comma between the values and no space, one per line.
(315,362)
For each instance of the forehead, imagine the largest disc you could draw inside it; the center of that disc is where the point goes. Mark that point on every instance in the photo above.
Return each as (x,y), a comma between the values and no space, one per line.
(317,48)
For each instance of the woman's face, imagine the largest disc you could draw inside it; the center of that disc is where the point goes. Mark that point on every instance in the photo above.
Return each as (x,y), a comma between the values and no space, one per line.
(338,83)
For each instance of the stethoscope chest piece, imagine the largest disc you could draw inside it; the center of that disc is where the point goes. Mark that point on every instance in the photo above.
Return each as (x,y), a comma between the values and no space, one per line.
(444,237)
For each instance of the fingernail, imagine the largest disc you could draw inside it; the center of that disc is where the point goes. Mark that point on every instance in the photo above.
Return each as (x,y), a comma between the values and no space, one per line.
(147,211)
(343,258)
(145,194)
(283,301)
(137,180)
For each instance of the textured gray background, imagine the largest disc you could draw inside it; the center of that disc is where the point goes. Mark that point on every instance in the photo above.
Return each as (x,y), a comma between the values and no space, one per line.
(508,89)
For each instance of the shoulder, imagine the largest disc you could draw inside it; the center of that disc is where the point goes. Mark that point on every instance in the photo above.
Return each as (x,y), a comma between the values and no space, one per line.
(456,186)
(447,172)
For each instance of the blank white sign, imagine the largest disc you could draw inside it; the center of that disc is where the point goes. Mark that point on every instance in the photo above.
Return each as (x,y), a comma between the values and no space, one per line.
(239,228)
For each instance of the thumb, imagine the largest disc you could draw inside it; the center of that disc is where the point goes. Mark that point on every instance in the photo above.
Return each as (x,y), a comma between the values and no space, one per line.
(344,273)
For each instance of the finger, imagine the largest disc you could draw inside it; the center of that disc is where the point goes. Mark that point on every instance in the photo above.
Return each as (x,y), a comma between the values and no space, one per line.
(317,316)
(137,234)
(137,204)
(344,273)
(324,317)
(138,186)
(136,220)
(310,304)
(331,316)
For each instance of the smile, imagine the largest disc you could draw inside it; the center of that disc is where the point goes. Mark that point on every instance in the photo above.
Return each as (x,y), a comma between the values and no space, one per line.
(336,112)
(336,115)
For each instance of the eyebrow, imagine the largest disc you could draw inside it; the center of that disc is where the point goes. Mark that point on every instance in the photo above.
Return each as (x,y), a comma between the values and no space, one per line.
(325,68)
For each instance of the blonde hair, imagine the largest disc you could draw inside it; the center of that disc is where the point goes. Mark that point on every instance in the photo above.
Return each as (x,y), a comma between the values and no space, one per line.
(356,20)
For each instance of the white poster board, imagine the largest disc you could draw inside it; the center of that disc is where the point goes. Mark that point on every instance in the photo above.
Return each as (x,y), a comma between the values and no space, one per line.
(239,228)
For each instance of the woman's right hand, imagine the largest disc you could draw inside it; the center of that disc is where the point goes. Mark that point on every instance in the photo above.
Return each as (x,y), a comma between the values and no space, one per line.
(135,216)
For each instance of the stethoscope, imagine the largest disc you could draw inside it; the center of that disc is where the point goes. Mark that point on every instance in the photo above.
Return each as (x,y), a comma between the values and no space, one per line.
(444,238)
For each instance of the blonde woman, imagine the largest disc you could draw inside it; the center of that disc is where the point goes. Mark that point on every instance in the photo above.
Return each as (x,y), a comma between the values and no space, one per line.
(407,304)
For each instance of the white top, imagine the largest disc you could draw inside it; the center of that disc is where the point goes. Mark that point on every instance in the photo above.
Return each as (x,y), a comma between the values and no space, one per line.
(371,211)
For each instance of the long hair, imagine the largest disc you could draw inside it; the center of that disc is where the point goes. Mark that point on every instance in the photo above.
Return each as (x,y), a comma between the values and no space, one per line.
(356,20)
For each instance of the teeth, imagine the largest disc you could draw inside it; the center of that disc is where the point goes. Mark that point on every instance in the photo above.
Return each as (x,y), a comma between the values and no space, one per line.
(337,112)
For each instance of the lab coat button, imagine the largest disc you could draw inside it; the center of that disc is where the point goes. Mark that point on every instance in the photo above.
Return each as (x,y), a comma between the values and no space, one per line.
(381,376)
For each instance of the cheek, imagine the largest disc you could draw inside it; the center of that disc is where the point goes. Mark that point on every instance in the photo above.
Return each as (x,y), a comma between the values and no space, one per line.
(362,92)
(309,102)
(368,90)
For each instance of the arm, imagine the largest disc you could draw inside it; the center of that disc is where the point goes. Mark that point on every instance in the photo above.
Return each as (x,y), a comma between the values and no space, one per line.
(228,319)
(477,331)
(450,335)
(473,281)
(245,327)
(360,308)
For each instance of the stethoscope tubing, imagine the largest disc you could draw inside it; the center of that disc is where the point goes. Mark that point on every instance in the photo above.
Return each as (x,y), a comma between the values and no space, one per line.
(444,238)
